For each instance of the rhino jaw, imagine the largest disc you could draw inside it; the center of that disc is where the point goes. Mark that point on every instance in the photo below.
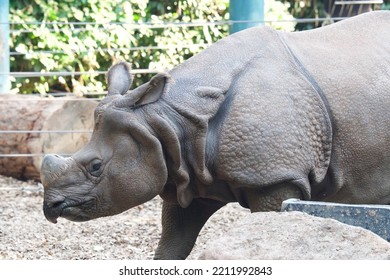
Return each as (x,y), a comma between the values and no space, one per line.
(56,210)
(65,209)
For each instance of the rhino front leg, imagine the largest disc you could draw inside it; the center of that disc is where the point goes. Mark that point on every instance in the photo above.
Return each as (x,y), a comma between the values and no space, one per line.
(181,226)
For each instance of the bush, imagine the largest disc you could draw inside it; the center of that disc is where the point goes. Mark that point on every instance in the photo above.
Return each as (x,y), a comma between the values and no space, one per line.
(277,12)
(62,43)
(53,37)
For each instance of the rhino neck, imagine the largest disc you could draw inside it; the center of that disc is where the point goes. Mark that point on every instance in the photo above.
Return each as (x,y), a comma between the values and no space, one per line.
(182,135)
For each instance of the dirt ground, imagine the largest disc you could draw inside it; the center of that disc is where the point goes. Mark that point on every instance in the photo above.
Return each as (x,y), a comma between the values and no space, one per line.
(25,234)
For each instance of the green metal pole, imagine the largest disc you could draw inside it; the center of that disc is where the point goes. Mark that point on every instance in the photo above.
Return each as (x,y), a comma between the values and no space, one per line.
(4,46)
(251,11)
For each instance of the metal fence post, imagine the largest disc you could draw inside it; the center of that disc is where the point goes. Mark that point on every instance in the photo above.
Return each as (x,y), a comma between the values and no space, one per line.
(246,10)
(4,46)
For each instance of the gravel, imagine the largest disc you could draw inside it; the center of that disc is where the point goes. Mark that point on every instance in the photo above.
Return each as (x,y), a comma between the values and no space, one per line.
(25,234)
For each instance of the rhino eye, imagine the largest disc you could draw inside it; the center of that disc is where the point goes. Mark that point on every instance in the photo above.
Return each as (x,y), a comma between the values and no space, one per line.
(95,167)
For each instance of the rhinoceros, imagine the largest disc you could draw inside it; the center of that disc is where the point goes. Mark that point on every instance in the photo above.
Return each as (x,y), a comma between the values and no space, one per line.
(258,117)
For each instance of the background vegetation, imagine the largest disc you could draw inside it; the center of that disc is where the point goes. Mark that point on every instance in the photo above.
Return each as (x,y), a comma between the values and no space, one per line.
(62,42)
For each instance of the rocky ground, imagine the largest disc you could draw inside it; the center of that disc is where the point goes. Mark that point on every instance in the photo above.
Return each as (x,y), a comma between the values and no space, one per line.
(26,234)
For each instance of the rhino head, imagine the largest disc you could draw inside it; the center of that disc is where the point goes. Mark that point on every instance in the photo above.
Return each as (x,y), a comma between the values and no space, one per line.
(122,166)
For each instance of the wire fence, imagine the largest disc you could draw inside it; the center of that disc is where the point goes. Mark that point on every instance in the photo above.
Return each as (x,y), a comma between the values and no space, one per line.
(80,26)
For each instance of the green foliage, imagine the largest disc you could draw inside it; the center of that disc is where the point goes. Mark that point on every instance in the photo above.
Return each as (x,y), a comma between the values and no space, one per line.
(60,44)
(306,9)
(316,9)
(277,13)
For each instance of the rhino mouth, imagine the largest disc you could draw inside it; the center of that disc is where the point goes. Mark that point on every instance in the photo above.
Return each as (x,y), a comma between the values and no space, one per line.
(73,211)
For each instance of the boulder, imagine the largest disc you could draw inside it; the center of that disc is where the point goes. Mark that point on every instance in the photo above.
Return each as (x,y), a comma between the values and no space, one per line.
(295,236)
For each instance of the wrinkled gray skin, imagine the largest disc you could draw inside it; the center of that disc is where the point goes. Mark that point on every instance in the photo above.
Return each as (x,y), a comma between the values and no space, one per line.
(258,117)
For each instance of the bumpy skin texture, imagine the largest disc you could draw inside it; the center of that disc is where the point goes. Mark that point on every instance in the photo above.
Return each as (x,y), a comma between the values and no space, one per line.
(259,117)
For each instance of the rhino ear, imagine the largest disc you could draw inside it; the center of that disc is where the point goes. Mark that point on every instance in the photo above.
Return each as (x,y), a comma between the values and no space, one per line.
(119,78)
(149,92)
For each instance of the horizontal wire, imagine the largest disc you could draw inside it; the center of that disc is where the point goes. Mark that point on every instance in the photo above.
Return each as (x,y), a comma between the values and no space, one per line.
(51,96)
(27,155)
(49,99)
(113,49)
(70,94)
(136,26)
(358,2)
(152,25)
(43,131)
(132,26)
(76,73)
(37,188)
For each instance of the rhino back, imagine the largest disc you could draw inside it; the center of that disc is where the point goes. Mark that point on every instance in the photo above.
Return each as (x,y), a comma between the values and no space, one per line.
(350,62)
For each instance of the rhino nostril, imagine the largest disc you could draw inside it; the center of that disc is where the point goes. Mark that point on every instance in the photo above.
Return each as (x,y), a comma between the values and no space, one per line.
(57,204)
(53,205)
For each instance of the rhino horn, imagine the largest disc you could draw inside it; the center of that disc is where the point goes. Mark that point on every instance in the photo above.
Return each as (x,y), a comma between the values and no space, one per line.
(51,166)
(119,78)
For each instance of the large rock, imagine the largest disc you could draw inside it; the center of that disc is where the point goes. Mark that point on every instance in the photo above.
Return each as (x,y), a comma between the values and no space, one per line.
(295,235)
